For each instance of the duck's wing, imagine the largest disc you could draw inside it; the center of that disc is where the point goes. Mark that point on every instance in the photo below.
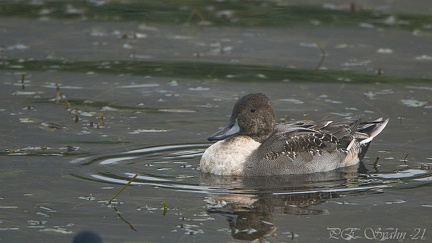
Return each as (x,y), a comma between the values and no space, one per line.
(353,129)
(295,141)
(340,129)
(307,138)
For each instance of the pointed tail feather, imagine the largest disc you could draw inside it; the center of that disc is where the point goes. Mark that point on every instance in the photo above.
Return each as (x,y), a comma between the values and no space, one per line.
(369,130)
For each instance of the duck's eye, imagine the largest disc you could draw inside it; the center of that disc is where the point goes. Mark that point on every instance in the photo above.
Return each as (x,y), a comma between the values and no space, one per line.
(253,110)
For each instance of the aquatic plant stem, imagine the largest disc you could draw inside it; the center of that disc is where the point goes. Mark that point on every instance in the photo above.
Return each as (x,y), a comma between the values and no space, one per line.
(122,189)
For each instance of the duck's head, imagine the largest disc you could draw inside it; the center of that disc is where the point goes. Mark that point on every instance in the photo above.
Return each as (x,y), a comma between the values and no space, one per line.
(251,116)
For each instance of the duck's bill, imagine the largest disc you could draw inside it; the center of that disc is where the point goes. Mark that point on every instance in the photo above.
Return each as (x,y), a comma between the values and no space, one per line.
(231,129)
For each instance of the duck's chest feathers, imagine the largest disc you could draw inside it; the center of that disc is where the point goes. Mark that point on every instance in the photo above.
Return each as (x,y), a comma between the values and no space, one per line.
(227,157)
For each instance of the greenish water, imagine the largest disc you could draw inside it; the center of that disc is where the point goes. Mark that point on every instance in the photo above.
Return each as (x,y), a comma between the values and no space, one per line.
(96,92)
(224,13)
(207,70)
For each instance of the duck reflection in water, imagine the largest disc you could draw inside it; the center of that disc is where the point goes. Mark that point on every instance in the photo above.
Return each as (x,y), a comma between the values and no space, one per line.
(249,203)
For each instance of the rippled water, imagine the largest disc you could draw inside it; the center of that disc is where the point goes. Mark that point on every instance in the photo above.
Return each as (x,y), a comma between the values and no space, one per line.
(58,174)
(92,102)
(175,167)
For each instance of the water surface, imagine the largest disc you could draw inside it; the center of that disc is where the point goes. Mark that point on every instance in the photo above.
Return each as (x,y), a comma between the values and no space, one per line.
(89,103)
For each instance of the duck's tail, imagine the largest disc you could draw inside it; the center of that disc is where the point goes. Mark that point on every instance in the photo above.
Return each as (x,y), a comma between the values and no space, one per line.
(367,131)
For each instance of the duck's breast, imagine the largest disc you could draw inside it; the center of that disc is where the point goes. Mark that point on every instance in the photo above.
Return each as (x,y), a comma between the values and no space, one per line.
(227,157)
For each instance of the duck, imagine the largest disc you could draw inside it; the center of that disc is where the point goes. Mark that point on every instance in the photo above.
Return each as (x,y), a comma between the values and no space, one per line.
(253,144)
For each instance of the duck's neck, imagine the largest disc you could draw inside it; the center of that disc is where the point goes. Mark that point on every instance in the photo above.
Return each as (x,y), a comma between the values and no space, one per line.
(262,135)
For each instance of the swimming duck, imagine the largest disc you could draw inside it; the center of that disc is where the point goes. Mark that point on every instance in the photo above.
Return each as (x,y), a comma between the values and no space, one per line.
(252,144)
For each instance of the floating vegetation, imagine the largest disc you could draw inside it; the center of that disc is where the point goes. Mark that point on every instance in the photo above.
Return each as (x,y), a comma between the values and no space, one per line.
(123,219)
(59,230)
(414,103)
(165,209)
(122,189)
(110,203)
(44,151)
(426,166)
(207,70)
(22,82)
(139,131)
(217,13)
(51,126)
